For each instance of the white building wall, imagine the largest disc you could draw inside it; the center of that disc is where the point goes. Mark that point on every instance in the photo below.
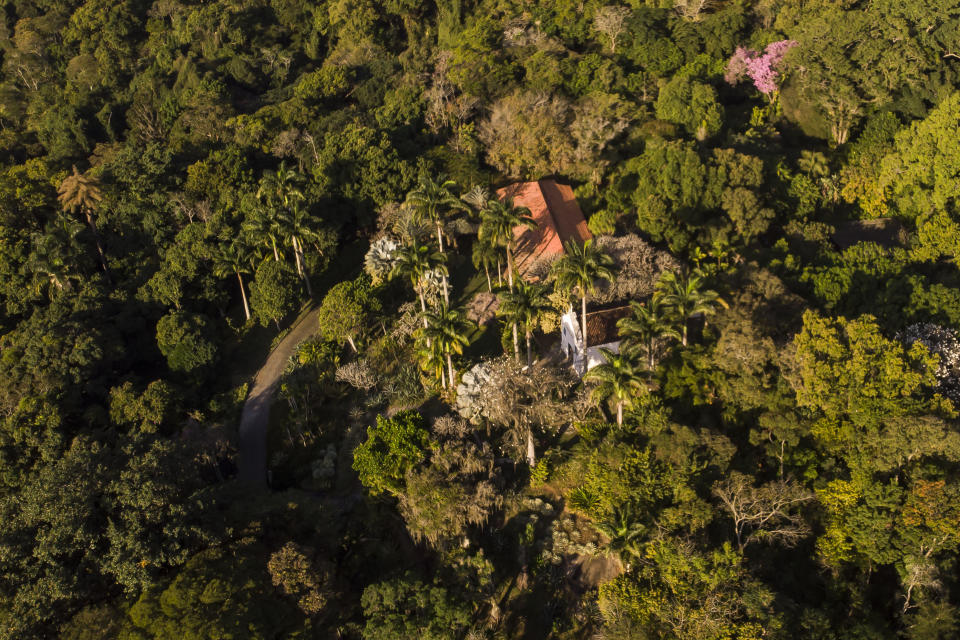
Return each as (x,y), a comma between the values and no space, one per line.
(571,341)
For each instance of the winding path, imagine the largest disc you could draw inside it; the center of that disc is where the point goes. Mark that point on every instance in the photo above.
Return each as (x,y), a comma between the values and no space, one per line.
(252,461)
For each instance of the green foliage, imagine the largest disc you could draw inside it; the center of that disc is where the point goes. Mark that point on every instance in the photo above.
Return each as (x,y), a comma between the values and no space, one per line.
(408,609)
(186,340)
(691,104)
(393,446)
(345,311)
(215,594)
(273,292)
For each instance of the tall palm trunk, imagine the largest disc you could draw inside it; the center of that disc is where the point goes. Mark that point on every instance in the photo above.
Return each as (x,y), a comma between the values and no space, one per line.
(650,363)
(583,347)
(683,337)
(96,239)
(531,450)
(450,369)
(529,350)
(243,295)
(510,269)
(276,254)
(423,307)
(352,345)
(486,270)
(516,343)
(443,277)
(499,273)
(620,413)
(302,264)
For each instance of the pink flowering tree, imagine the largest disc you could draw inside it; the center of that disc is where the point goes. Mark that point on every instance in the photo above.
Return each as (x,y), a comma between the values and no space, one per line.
(761,68)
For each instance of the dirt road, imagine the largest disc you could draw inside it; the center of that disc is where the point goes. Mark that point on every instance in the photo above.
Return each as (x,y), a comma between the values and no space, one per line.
(256,412)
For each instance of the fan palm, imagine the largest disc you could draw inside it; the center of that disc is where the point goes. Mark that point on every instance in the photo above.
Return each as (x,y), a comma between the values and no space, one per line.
(497,223)
(232,259)
(524,306)
(447,328)
(578,270)
(81,192)
(649,321)
(686,294)
(476,197)
(619,378)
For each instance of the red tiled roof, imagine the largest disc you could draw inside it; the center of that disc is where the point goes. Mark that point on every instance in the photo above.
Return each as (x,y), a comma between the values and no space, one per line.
(602,325)
(557,214)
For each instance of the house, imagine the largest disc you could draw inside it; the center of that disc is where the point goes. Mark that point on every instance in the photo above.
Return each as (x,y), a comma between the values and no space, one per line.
(559,219)
(601,334)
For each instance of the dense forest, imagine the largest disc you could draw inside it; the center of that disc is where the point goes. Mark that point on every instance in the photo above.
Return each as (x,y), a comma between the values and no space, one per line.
(773,186)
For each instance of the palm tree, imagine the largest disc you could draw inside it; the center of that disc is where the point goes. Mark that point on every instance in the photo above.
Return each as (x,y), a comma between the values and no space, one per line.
(299,227)
(624,531)
(48,260)
(686,295)
(486,254)
(578,270)
(497,223)
(82,192)
(431,359)
(280,188)
(432,200)
(477,197)
(619,378)
(524,307)
(649,322)
(413,262)
(280,192)
(232,259)
(265,228)
(447,328)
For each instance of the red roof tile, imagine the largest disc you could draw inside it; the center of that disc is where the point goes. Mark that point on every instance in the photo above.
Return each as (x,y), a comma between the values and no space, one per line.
(558,216)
